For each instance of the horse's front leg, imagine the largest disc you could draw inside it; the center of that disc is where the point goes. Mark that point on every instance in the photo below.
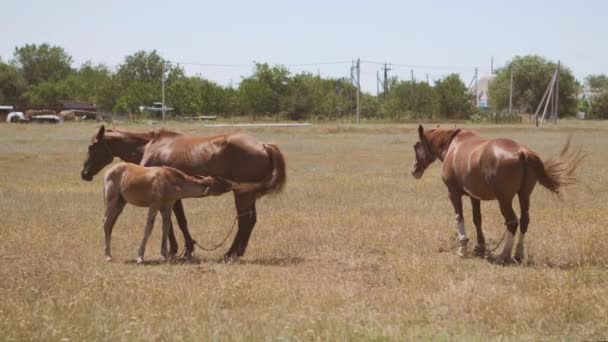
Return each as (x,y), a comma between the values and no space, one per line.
(480,248)
(114,207)
(456,199)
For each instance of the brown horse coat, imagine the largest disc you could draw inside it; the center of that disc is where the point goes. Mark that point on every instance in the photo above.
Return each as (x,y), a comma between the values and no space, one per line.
(236,157)
(491,169)
(156,188)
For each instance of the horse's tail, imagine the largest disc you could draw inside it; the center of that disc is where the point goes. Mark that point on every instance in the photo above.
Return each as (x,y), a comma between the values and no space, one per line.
(557,171)
(274,183)
(279,173)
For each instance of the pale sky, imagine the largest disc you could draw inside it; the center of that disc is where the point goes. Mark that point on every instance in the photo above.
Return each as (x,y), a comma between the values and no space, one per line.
(434,37)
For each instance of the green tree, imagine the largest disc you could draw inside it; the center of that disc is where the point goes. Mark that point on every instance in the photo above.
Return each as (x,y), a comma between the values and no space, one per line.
(531,76)
(599,81)
(599,106)
(139,80)
(453,98)
(12,84)
(42,63)
(409,100)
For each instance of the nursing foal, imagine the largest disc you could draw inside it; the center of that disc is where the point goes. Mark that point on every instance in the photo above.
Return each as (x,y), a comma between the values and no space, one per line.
(157,188)
(491,169)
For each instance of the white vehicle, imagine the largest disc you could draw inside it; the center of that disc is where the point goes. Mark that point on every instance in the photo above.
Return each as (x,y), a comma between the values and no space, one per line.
(15,117)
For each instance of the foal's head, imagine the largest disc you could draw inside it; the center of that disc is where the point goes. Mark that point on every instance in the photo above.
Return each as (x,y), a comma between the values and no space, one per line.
(98,156)
(424,156)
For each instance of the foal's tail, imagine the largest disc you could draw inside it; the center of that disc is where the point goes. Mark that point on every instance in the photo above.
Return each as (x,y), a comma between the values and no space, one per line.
(557,171)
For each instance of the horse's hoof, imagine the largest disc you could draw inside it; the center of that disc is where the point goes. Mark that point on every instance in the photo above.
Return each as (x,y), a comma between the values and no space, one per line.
(462,248)
(462,252)
(502,260)
(228,258)
(140,260)
(108,258)
(480,251)
(518,259)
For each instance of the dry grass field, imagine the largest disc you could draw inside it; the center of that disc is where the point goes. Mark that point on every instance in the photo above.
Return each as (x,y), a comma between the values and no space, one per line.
(353,249)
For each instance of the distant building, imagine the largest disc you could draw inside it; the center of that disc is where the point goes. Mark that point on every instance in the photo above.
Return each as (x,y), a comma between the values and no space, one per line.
(483,91)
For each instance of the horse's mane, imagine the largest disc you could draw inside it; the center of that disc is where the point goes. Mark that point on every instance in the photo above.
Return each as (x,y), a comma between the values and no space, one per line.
(439,135)
(147,136)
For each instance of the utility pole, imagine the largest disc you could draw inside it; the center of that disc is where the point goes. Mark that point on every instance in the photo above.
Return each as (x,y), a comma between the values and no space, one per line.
(164,109)
(385,87)
(556,104)
(511,91)
(475,88)
(412,96)
(492,65)
(427,78)
(358,89)
(378,84)
(350,89)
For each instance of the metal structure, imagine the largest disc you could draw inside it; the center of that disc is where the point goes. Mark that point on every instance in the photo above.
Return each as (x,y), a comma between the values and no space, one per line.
(550,100)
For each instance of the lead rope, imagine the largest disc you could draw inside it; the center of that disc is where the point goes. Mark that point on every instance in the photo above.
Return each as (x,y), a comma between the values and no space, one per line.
(441,250)
(216,246)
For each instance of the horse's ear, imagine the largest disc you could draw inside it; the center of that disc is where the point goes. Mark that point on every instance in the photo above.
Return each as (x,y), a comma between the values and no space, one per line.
(102,130)
(420,132)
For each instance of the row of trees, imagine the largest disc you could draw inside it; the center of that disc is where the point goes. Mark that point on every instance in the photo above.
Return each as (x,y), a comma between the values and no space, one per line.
(43,74)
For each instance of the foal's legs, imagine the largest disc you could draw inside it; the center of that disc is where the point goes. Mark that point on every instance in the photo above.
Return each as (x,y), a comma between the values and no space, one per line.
(114,207)
(456,200)
(506,208)
(149,225)
(166,214)
(524,205)
(480,248)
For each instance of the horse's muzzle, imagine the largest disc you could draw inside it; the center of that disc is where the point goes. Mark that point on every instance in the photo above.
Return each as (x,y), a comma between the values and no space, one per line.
(86,176)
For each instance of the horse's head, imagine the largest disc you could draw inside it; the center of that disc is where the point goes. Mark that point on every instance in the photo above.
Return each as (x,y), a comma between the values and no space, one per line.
(424,156)
(98,156)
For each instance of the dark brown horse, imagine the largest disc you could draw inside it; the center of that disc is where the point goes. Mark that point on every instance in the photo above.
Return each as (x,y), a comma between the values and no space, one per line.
(237,157)
(496,169)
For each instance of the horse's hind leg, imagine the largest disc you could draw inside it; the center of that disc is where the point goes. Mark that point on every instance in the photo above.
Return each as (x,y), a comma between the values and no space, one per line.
(524,204)
(114,206)
(480,248)
(178,210)
(247,217)
(506,208)
(147,230)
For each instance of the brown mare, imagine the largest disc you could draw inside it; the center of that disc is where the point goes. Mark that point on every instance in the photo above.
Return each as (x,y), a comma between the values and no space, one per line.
(237,157)
(156,188)
(496,169)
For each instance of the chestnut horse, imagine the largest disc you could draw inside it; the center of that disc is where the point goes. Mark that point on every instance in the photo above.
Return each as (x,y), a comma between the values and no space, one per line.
(496,169)
(237,157)
(156,188)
